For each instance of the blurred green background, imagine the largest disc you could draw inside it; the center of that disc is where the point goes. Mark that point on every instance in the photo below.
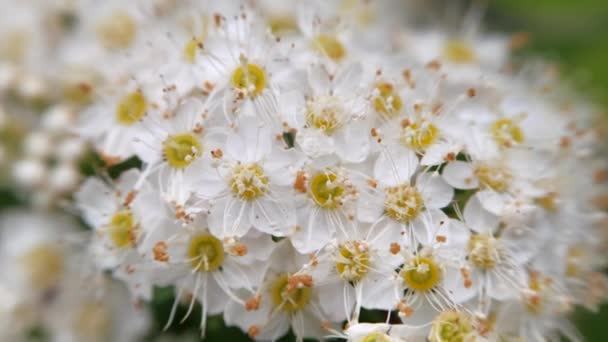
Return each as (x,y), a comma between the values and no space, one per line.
(573,33)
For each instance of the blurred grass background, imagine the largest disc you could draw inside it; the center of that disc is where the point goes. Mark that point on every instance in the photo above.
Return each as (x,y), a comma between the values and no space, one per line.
(573,33)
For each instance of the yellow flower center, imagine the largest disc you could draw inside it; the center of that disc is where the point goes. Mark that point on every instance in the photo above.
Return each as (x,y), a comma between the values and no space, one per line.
(117,31)
(248,181)
(325,113)
(493,177)
(419,135)
(14,45)
(181,150)
(573,261)
(506,132)
(452,326)
(376,337)
(205,252)
(352,260)
(44,265)
(250,79)
(484,251)
(534,301)
(122,229)
(329,46)
(92,322)
(326,189)
(403,203)
(459,51)
(388,101)
(289,299)
(549,202)
(282,24)
(131,108)
(190,50)
(422,274)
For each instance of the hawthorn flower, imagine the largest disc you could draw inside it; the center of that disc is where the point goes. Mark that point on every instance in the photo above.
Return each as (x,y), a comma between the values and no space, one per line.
(174,148)
(207,268)
(332,118)
(118,214)
(400,200)
(288,298)
(34,250)
(495,254)
(246,182)
(249,73)
(97,312)
(326,203)
(356,271)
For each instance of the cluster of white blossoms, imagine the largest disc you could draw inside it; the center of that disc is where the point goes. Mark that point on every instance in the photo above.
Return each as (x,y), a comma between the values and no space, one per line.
(303,161)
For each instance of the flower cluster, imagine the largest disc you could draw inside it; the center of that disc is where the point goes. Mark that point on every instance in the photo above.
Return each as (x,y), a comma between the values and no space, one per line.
(305,161)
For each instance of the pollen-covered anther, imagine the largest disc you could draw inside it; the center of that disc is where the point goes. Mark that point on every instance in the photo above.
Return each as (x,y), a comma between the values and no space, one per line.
(395,248)
(300,182)
(466,276)
(160,252)
(217,154)
(130,197)
(299,281)
(404,309)
(253,331)
(238,249)
(253,303)
(248,181)
(441,238)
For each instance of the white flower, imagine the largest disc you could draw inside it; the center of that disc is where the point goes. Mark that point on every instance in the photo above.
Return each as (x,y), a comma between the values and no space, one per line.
(210,269)
(356,271)
(247,182)
(175,146)
(34,251)
(326,198)
(98,311)
(118,214)
(331,119)
(288,298)
(401,200)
